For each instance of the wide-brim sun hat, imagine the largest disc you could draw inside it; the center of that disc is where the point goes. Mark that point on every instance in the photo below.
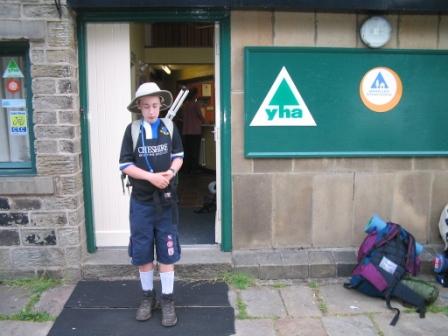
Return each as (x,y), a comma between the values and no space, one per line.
(151,89)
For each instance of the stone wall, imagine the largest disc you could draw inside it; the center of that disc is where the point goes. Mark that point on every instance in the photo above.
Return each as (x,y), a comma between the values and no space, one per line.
(326,202)
(42,217)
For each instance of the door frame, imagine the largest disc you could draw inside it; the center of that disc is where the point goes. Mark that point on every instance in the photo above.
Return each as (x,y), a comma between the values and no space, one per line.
(221,17)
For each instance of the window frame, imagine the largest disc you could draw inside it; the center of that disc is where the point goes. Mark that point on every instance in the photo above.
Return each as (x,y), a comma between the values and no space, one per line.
(21,49)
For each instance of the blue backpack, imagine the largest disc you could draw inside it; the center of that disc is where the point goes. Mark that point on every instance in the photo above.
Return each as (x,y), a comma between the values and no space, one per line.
(384,258)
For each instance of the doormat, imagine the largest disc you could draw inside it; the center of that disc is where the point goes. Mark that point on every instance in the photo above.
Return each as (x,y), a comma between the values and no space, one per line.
(107,308)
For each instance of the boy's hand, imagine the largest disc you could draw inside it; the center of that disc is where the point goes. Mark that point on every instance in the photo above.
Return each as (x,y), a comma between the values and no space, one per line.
(169,174)
(159,180)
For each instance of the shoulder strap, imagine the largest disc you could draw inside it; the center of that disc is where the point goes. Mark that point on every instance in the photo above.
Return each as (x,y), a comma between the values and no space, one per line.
(168,124)
(135,131)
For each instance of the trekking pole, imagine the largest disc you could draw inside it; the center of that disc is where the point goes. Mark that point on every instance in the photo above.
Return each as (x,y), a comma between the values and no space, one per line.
(183,93)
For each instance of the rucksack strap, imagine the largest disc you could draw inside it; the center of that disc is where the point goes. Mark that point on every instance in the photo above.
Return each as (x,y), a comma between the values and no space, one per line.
(397,311)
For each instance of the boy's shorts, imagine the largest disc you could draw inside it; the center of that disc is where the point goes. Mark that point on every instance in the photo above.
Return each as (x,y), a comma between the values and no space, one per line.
(152,225)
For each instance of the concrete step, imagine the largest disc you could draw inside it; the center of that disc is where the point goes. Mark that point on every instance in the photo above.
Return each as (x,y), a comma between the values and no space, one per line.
(208,262)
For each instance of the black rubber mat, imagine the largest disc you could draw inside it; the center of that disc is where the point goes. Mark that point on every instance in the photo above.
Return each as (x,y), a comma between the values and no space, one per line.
(126,294)
(107,308)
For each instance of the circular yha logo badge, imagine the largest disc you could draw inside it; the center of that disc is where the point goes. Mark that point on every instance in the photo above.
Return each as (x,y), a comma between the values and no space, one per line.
(380,89)
(12,85)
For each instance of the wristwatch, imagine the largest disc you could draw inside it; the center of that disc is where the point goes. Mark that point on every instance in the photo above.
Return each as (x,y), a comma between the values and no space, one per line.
(173,170)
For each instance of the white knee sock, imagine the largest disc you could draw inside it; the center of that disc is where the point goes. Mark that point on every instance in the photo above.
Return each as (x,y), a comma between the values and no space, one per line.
(167,279)
(147,279)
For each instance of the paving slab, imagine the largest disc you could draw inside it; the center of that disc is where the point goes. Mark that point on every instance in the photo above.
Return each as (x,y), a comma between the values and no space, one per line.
(349,325)
(254,327)
(263,302)
(305,326)
(21,328)
(53,300)
(410,324)
(13,299)
(340,300)
(300,301)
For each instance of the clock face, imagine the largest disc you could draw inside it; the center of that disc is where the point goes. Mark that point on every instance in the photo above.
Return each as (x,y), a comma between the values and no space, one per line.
(376,32)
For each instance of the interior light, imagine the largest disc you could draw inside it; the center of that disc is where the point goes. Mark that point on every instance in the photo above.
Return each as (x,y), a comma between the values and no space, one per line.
(167,69)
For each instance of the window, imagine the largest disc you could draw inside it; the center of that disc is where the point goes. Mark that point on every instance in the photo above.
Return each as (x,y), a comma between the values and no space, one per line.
(16,153)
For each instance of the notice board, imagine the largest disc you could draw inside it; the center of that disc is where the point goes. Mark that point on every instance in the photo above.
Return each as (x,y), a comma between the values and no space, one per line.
(317,102)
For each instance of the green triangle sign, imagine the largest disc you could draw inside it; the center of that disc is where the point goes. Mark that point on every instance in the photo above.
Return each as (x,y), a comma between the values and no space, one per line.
(12,70)
(283,105)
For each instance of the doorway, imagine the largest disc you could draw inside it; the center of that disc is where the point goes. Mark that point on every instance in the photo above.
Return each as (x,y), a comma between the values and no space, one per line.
(174,55)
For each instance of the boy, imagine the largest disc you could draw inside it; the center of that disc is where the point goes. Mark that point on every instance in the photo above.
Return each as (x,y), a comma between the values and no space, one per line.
(151,167)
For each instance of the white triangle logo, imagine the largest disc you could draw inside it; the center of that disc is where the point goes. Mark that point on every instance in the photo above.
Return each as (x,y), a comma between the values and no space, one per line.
(283,105)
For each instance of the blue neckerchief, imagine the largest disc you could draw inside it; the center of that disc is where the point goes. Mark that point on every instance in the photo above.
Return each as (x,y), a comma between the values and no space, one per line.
(154,128)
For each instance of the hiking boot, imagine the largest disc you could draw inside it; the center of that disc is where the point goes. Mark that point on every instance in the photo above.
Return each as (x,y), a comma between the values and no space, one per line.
(169,317)
(147,304)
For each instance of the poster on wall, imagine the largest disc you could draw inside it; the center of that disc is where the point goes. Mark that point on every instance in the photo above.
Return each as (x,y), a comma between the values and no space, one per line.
(319,102)
(18,123)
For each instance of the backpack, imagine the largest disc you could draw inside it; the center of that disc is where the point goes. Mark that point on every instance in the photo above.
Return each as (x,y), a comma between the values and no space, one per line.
(385,256)
(135,132)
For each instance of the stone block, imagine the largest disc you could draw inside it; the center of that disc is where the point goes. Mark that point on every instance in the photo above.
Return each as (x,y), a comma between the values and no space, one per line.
(306,326)
(73,256)
(393,164)
(292,217)
(13,218)
(46,117)
(69,185)
(240,164)
(353,164)
(418,31)
(61,34)
(14,29)
(69,117)
(55,132)
(27,204)
(248,28)
(263,302)
(439,198)
(272,165)
(32,257)
(38,237)
(57,71)
(42,11)
(70,146)
(12,300)
(9,237)
(36,185)
(436,163)
(300,301)
(4,204)
(43,86)
(373,195)
(322,264)
(52,102)
(443,32)
(312,165)
(345,262)
(58,164)
(5,260)
(349,325)
(49,219)
(69,236)
(67,86)
(38,56)
(62,203)
(275,272)
(67,55)
(9,11)
(294,29)
(332,210)
(53,300)
(411,203)
(264,327)
(46,146)
(252,211)
(336,30)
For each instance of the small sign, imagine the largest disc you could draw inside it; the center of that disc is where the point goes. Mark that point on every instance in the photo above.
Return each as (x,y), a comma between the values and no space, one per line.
(13,85)
(13,103)
(380,89)
(18,122)
(12,70)
(283,105)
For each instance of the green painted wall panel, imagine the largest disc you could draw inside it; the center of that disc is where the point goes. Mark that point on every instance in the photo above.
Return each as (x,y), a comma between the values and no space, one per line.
(328,81)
